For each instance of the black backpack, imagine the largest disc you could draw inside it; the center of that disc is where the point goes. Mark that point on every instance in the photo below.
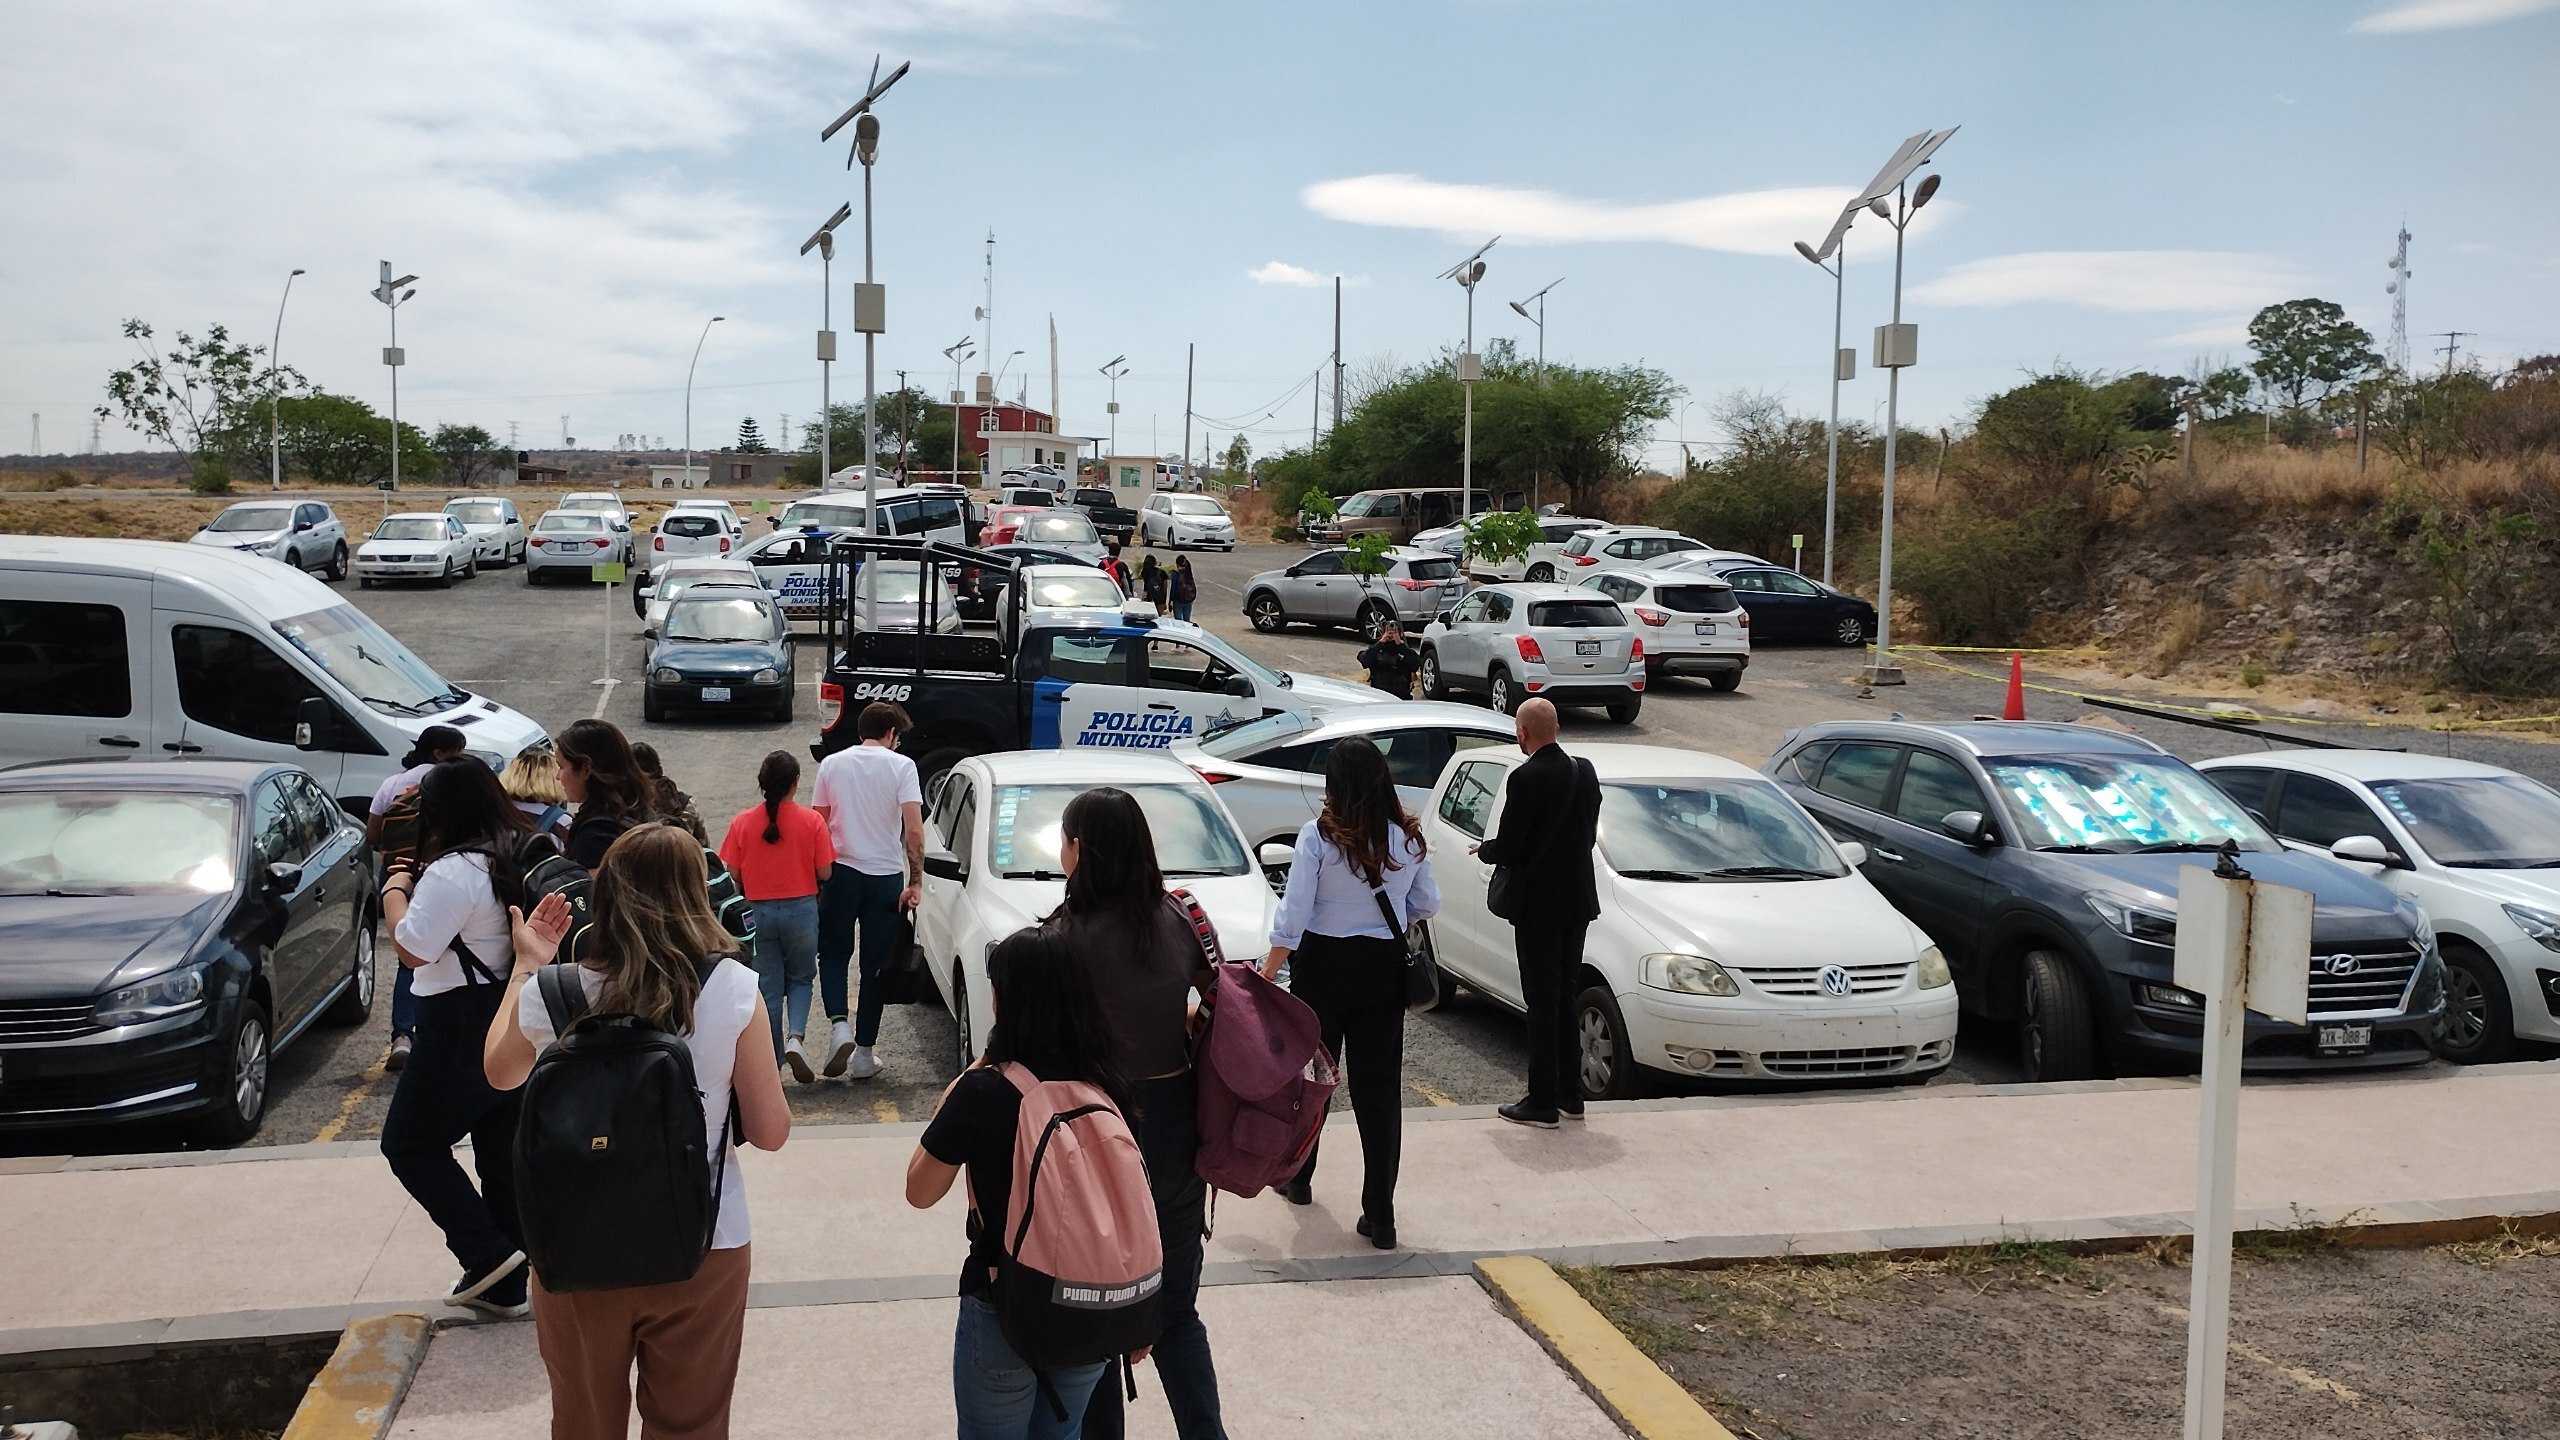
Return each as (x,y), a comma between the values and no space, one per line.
(556,874)
(615,1186)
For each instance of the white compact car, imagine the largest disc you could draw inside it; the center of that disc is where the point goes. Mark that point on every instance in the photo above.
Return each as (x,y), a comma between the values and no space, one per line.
(889,595)
(1063,595)
(304,534)
(1540,564)
(1185,520)
(1690,621)
(2476,846)
(494,526)
(659,588)
(417,545)
(573,543)
(728,514)
(1516,642)
(689,534)
(1621,547)
(1069,531)
(602,501)
(1736,940)
(991,860)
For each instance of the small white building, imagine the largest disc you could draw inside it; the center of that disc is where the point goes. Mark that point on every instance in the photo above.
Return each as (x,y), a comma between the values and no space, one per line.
(678,477)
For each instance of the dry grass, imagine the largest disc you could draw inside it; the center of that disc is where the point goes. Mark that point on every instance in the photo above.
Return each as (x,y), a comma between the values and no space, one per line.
(2508,1244)
(2182,624)
(171,519)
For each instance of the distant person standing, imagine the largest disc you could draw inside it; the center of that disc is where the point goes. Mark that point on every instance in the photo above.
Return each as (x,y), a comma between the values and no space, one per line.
(1185,587)
(1115,567)
(532,780)
(1543,884)
(1151,584)
(873,803)
(782,856)
(1391,662)
(600,777)
(672,804)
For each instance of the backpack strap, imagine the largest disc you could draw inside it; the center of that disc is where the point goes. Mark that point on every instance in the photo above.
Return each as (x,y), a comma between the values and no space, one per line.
(549,820)
(564,995)
(475,971)
(1200,926)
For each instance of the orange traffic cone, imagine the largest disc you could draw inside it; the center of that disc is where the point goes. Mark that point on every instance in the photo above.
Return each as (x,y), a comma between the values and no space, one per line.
(2016,706)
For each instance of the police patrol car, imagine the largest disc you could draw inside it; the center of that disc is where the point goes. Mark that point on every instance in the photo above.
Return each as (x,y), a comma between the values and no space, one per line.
(793,565)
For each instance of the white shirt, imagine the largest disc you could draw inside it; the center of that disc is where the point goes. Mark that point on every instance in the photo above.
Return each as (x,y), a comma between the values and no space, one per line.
(453,898)
(720,1014)
(397,786)
(862,790)
(1327,897)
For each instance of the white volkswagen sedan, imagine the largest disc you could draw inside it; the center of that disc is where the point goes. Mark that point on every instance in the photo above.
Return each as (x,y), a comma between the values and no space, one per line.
(992,860)
(421,545)
(1736,940)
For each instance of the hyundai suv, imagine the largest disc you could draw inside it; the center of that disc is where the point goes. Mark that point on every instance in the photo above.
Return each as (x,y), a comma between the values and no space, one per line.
(2044,861)
(1565,644)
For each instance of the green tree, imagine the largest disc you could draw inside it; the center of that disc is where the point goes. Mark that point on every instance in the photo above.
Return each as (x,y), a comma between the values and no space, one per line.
(1239,457)
(751,439)
(340,441)
(1766,487)
(465,452)
(2307,349)
(204,398)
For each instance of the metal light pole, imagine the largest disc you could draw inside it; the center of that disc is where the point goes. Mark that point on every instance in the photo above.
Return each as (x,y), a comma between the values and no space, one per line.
(824,242)
(957,353)
(1538,478)
(275,396)
(1844,366)
(1467,272)
(1897,346)
(1115,367)
(688,395)
(393,296)
(870,300)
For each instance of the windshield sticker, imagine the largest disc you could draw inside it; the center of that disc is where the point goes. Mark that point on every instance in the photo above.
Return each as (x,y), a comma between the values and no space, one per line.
(2399,804)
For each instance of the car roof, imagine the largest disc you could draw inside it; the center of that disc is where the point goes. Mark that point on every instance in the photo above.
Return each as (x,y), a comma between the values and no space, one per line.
(1086,767)
(109,774)
(415,515)
(259,585)
(1062,567)
(1665,577)
(1544,590)
(707,564)
(1636,530)
(565,513)
(263,505)
(1986,738)
(1631,762)
(1390,714)
(2362,765)
(590,495)
(473,500)
(700,505)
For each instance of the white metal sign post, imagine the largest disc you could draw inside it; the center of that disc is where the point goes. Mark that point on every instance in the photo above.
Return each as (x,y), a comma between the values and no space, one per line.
(2244,946)
(607,577)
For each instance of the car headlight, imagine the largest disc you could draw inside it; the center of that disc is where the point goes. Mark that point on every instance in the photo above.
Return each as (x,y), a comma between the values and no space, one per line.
(2134,922)
(1933,971)
(2542,925)
(1687,974)
(767,676)
(2421,926)
(489,758)
(175,993)
(666,676)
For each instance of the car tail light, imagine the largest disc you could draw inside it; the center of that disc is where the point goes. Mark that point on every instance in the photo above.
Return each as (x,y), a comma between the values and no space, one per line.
(1637,652)
(1746,619)
(830,704)
(724,544)
(537,542)
(1652,617)
(1215,777)
(1419,584)
(1584,559)
(1529,650)
(659,543)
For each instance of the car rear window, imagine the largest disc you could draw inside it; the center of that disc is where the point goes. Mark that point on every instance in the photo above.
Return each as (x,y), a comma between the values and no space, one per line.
(559,520)
(1574,615)
(1579,544)
(1095,497)
(1697,599)
(690,527)
(1432,569)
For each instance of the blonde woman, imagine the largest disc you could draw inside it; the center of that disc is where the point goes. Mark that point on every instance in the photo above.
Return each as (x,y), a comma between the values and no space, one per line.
(532,780)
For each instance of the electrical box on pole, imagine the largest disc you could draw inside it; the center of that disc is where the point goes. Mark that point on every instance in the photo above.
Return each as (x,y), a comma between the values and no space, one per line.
(1470,368)
(1845,365)
(1897,346)
(870,309)
(826,345)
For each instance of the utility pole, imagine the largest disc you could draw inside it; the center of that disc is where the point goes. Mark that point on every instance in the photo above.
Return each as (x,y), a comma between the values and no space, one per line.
(1337,352)
(2452,344)
(1190,354)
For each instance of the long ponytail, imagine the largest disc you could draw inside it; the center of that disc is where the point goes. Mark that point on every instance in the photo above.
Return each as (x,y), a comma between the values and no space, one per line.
(777,777)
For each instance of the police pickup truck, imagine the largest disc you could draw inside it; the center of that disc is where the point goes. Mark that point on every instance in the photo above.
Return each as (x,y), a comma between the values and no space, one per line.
(1139,684)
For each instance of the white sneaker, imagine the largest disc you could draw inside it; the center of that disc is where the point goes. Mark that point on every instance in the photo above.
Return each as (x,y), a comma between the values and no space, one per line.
(865,1064)
(839,1047)
(796,1056)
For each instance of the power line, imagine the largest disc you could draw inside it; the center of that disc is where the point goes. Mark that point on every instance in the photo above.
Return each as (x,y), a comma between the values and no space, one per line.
(2453,343)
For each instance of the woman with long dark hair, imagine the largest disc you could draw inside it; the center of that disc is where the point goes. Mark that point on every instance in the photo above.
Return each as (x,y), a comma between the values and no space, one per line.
(1358,882)
(1049,1022)
(1146,960)
(667,798)
(600,777)
(782,856)
(448,916)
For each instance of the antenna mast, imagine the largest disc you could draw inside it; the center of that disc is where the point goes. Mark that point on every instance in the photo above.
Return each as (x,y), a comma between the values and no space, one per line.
(2398,290)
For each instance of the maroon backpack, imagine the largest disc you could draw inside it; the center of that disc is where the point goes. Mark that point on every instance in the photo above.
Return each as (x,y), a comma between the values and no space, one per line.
(1264,1074)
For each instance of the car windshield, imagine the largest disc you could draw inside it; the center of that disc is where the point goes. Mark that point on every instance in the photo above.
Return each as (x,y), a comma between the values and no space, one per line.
(410,529)
(559,522)
(805,513)
(1193,837)
(1574,615)
(478,513)
(1710,830)
(891,583)
(2120,804)
(1255,736)
(2485,822)
(116,842)
(1091,590)
(720,619)
(1195,505)
(363,657)
(676,584)
(1059,529)
(251,519)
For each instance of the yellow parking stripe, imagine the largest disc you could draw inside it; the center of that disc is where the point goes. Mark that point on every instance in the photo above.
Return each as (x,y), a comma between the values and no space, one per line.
(1427,1093)
(372,1076)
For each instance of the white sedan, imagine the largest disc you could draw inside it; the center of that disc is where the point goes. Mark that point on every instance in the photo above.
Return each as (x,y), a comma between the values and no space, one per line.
(992,860)
(494,526)
(423,545)
(1736,940)
(1063,595)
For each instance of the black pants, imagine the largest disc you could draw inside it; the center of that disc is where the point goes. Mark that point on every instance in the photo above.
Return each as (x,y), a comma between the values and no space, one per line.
(1549,956)
(1355,985)
(443,1095)
(1168,1126)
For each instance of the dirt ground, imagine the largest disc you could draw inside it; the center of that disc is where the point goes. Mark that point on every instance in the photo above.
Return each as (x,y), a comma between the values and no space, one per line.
(2024,1341)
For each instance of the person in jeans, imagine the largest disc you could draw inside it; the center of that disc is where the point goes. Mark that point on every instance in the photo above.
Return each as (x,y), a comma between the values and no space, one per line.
(1543,885)
(1186,587)
(780,853)
(1146,960)
(449,922)
(1349,958)
(873,803)
(653,932)
(436,743)
(600,777)
(1047,1021)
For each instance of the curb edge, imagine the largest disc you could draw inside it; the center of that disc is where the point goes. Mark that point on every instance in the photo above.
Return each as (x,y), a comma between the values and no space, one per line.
(1645,1401)
(358,1393)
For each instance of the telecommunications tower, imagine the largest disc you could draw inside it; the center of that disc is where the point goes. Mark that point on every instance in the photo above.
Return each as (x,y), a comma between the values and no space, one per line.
(2398,290)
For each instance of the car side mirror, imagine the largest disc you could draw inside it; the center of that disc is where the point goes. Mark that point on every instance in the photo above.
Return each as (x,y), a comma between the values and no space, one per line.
(301,527)
(942,865)
(312,722)
(1851,852)
(1447,617)
(283,878)
(1969,827)
(1239,685)
(2367,850)
(1275,854)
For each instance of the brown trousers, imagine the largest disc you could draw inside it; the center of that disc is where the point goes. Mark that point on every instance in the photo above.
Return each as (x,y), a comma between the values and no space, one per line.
(685,1337)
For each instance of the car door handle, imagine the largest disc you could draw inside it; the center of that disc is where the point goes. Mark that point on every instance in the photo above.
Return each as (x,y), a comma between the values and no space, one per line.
(182,747)
(1882,853)
(1160,705)
(120,742)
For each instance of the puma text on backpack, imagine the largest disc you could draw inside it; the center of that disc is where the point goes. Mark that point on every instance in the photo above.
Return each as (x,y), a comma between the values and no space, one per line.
(1264,1075)
(1081,1278)
(615,1184)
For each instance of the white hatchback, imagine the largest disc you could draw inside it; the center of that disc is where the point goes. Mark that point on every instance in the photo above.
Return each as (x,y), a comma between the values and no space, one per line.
(1621,547)
(1541,563)
(687,532)
(1063,595)
(493,525)
(1512,643)
(421,545)
(1736,940)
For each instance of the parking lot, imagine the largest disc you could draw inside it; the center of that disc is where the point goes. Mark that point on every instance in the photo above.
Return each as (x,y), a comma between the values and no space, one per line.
(544,649)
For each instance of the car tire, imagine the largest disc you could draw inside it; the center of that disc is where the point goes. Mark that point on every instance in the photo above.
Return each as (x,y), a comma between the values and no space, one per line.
(354,1004)
(1265,612)
(1850,633)
(1502,692)
(1626,711)
(650,708)
(444,581)
(471,567)
(2479,1018)
(532,577)
(960,1013)
(293,558)
(1147,539)
(939,759)
(1542,574)
(240,1101)
(1604,1059)
(1435,685)
(2057,1034)
(338,562)
(1373,621)
(1725,681)
(790,694)
(365,584)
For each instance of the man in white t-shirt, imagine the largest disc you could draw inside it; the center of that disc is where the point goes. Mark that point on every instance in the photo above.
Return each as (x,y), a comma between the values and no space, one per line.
(873,803)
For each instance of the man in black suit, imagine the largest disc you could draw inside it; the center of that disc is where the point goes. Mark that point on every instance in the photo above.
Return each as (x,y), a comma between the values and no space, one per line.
(1542,883)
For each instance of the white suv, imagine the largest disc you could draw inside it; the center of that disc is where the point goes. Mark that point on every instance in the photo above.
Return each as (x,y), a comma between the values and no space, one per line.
(1540,564)
(1691,622)
(1620,547)
(1179,520)
(1519,642)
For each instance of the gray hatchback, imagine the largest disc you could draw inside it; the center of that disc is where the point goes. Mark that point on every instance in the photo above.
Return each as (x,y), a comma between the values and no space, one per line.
(1323,590)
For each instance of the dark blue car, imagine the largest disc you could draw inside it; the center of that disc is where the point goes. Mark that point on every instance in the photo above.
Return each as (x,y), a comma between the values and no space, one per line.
(722,648)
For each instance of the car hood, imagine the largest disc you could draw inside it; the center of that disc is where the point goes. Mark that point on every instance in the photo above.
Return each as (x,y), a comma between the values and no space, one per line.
(2345,905)
(68,945)
(2537,888)
(239,539)
(1241,907)
(702,657)
(1754,923)
(488,729)
(1321,690)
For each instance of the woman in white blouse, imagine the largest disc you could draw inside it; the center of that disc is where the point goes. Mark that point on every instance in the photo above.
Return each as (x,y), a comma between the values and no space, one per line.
(1358,882)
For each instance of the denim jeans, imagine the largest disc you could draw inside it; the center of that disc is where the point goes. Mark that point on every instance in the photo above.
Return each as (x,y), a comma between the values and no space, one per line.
(1168,1126)
(404,1004)
(851,900)
(787,962)
(998,1396)
(1182,609)
(443,1095)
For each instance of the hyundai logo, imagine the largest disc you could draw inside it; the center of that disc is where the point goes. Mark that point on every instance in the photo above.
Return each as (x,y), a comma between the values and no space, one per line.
(2342,966)
(1834,980)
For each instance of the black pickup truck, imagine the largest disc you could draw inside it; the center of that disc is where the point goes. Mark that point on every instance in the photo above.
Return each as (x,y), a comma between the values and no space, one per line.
(1100,505)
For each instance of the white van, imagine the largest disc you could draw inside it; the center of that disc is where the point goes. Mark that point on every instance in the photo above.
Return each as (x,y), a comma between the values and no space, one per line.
(931,514)
(137,647)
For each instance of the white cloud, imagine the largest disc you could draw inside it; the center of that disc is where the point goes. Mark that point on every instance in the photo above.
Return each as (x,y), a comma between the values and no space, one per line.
(2228,333)
(1281,272)
(2414,15)
(2132,280)
(1750,222)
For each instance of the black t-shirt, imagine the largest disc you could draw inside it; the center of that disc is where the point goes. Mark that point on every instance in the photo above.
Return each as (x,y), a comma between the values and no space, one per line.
(592,835)
(974,1129)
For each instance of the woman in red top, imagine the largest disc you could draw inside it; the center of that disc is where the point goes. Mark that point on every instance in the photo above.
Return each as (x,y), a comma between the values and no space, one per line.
(780,853)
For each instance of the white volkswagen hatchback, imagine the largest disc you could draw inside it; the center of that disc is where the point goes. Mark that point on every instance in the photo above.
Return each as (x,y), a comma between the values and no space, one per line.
(1736,940)
(419,545)
(992,860)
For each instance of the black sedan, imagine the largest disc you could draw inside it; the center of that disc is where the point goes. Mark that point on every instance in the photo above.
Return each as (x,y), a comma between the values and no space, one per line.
(1784,605)
(982,591)
(165,928)
(723,647)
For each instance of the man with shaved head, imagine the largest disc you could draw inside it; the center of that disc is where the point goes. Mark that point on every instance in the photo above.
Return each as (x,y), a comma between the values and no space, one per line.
(1542,883)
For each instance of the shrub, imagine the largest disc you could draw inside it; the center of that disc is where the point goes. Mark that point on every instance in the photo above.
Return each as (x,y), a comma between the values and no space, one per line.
(2253,674)
(1976,574)
(210,477)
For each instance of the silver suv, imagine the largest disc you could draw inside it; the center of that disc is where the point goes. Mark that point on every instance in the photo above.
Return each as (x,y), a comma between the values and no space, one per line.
(1322,590)
(1690,621)
(1513,643)
(304,534)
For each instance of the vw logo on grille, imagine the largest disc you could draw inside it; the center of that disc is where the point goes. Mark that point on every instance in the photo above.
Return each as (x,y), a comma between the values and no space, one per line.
(1834,980)
(2342,965)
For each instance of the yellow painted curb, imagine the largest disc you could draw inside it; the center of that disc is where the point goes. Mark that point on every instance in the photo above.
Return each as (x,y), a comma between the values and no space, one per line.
(356,1394)
(1636,1393)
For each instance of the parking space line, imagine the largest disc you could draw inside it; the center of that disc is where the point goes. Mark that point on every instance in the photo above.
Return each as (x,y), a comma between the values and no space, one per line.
(372,1075)
(604,699)
(1427,1093)
(885,1111)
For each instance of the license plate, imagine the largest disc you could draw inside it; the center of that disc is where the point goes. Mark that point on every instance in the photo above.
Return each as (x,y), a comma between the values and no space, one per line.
(715,692)
(1706,628)
(2343,1037)
(1586,647)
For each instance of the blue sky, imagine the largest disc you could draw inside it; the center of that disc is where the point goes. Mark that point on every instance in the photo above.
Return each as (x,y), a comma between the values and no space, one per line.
(582,186)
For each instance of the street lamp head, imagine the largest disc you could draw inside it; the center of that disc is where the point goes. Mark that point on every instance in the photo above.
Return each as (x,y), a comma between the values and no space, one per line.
(1523,309)
(407,295)
(866,138)
(1928,187)
(297,272)
(1883,211)
(1807,252)
(826,245)
(716,319)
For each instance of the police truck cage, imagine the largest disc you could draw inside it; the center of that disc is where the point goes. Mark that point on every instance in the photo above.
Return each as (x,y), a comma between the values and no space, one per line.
(920,653)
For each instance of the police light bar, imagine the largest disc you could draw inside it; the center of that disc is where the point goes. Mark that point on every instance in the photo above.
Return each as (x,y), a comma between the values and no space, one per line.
(1137,612)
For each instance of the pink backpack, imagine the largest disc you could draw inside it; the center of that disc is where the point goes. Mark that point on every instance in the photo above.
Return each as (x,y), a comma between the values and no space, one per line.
(1082,1273)
(1264,1075)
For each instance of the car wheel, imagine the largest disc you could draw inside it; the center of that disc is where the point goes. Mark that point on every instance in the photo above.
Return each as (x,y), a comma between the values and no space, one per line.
(1499,692)
(1267,616)
(790,693)
(639,606)
(355,1004)
(1373,620)
(241,1099)
(960,1014)
(1147,539)
(939,759)
(1608,1069)
(1727,681)
(338,562)
(650,708)
(1626,711)
(1434,684)
(532,576)
(2057,1038)
(1542,574)
(444,580)
(366,584)
(294,559)
(1851,631)
(2479,1020)
(471,567)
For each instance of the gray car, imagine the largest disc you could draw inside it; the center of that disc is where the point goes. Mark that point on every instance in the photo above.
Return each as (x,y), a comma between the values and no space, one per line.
(304,534)
(2044,860)
(571,543)
(1322,590)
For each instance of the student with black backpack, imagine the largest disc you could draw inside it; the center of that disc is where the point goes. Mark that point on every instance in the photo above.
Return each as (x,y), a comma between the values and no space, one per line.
(641,1070)
(600,776)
